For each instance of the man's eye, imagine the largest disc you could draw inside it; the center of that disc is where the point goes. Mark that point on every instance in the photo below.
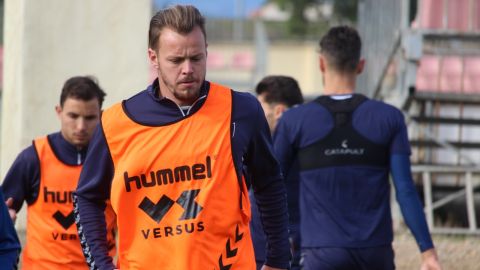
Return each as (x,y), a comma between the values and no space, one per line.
(90,118)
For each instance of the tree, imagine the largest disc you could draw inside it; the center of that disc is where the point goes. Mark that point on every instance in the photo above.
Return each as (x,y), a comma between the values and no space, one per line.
(298,23)
(346,9)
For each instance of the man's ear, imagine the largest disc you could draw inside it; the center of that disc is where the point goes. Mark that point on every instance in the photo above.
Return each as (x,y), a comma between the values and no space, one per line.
(58,110)
(152,56)
(278,110)
(322,63)
(360,66)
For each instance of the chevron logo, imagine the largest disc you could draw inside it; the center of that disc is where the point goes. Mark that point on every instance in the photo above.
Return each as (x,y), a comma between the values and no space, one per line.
(229,251)
(64,221)
(186,200)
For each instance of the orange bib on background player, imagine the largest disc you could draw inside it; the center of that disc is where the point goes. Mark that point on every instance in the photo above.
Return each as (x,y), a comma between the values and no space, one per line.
(176,193)
(52,240)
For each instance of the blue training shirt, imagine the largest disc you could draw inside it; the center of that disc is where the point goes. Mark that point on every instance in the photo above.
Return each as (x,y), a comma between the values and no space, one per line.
(349,205)
(251,148)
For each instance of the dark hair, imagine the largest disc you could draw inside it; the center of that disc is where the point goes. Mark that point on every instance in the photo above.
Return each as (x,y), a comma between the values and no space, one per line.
(341,46)
(181,18)
(280,89)
(82,87)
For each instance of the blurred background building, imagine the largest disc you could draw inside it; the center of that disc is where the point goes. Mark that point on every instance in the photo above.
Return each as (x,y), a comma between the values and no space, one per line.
(46,42)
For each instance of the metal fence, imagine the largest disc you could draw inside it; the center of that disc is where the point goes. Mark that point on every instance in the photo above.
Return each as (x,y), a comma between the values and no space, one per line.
(470,178)
(396,45)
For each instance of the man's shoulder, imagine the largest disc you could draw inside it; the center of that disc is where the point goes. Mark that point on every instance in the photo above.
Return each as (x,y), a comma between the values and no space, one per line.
(52,137)
(303,110)
(132,104)
(28,156)
(382,109)
(245,101)
(382,104)
(139,97)
(243,96)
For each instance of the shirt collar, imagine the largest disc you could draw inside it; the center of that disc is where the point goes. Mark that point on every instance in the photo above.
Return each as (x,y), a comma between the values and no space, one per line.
(65,151)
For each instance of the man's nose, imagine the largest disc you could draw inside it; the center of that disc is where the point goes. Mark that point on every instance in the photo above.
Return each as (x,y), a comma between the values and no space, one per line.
(81,124)
(187,67)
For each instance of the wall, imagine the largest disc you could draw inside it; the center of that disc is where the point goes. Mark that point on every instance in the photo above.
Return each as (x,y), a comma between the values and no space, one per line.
(47,42)
(235,64)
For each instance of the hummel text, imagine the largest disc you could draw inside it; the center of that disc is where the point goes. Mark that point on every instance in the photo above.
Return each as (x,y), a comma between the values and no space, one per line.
(197,171)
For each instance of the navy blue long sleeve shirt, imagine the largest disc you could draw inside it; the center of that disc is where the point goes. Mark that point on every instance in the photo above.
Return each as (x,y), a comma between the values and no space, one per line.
(9,244)
(251,148)
(324,189)
(22,181)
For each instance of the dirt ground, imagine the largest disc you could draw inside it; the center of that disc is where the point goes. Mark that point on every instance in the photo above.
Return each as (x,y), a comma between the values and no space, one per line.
(455,252)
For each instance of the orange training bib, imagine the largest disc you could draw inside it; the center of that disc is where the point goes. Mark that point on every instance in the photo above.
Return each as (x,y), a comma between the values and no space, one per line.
(176,193)
(52,239)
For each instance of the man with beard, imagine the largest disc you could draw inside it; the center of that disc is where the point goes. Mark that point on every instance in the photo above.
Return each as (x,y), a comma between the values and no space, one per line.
(170,159)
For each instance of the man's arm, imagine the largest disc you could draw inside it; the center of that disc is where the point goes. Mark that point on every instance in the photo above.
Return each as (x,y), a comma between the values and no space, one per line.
(269,191)
(9,244)
(22,181)
(89,202)
(283,146)
(285,152)
(412,210)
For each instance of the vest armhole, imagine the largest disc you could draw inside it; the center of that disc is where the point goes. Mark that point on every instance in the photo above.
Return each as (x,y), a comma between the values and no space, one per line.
(109,154)
(34,200)
(238,171)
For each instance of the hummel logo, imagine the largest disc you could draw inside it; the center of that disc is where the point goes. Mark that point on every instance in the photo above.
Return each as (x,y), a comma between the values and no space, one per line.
(223,266)
(186,200)
(238,235)
(65,221)
(229,251)
(156,211)
(345,143)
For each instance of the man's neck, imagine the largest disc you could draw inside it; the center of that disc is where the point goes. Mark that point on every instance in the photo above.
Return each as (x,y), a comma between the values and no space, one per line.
(65,142)
(335,84)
